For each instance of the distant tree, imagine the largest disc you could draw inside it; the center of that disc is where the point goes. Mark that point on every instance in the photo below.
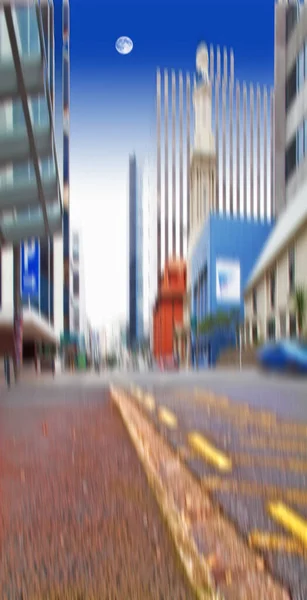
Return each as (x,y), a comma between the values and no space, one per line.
(220,320)
(300,306)
(207,325)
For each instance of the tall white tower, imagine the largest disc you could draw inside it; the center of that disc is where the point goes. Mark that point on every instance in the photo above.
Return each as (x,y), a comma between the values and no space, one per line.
(203,159)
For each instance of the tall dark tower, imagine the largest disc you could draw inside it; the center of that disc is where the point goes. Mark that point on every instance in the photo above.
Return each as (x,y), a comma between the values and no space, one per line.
(66,131)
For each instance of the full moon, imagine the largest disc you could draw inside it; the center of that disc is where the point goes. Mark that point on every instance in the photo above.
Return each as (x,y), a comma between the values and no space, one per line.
(124,45)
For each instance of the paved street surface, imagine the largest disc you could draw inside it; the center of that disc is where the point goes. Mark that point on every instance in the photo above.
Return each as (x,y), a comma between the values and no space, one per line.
(245,436)
(78,520)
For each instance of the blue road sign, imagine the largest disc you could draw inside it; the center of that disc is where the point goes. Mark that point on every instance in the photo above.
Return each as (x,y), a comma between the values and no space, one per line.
(30,269)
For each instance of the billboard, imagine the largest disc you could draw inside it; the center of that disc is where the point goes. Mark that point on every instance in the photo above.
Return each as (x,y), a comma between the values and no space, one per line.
(30,269)
(228,281)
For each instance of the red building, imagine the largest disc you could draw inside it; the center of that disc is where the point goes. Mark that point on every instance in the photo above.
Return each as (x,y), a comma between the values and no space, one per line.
(168,310)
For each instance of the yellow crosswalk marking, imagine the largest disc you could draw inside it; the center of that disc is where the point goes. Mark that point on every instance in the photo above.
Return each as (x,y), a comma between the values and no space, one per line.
(149,402)
(270,462)
(289,519)
(167,417)
(286,445)
(262,540)
(216,457)
(254,489)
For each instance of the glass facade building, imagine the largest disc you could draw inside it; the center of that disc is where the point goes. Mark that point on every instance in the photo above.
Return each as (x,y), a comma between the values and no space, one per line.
(30,44)
(29,180)
(66,129)
(135,254)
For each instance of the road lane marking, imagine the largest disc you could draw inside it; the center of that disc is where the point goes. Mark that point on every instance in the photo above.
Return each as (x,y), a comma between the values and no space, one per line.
(209,452)
(134,390)
(270,462)
(289,519)
(262,540)
(149,402)
(212,399)
(247,413)
(251,488)
(263,424)
(167,417)
(241,411)
(260,424)
(139,393)
(260,442)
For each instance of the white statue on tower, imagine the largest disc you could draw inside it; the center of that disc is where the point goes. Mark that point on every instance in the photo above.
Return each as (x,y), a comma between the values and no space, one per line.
(203,136)
(202,62)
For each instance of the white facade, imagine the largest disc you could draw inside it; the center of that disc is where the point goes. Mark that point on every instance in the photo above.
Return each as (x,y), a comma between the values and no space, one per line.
(78,320)
(7,304)
(281,267)
(149,245)
(269,306)
(110,339)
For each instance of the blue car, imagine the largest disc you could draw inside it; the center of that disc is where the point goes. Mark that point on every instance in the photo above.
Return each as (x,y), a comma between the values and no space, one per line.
(284,355)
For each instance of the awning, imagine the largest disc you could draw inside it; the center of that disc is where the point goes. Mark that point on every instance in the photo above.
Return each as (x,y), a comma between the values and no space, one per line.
(30,195)
(35,327)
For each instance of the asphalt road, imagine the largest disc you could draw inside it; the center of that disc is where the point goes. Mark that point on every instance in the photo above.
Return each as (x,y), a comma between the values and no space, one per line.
(244,435)
(284,395)
(77,517)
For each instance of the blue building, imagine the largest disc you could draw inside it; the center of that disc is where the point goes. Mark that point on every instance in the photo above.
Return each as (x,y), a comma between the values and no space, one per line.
(135,255)
(221,263)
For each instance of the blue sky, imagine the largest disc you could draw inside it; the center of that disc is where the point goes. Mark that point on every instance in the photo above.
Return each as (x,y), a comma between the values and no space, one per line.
(113,107)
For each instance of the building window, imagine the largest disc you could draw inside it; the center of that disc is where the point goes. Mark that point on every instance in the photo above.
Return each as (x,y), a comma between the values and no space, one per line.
(291,260)
(76,321)
(271,329)
(305,136)
(272,289)
(291,87)
(300,74)
(300,144)
(255,333)
(254,303)
(291,19)
(290,158)
(292,325)
(29,43)
(283,324)
(76,285)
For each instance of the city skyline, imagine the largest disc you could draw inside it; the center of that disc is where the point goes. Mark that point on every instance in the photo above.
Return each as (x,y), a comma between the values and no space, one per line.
(105,129)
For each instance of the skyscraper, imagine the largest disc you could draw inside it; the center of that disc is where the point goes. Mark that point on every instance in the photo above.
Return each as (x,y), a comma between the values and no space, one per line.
(149,209)
(30,196)
(29,40)
(135,254)
(78,321)
(66,131)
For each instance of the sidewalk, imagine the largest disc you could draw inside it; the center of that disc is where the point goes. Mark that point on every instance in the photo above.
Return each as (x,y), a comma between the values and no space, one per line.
(78,518)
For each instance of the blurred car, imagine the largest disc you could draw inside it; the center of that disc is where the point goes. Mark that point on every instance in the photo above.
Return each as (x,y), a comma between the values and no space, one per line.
(284,355)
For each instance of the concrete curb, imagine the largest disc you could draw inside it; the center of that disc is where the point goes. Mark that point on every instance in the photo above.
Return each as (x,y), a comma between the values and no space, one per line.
(218,564)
